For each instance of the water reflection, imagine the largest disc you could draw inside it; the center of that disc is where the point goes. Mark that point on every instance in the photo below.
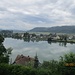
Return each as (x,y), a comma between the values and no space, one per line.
(61,43)
(45,50)
(26,39)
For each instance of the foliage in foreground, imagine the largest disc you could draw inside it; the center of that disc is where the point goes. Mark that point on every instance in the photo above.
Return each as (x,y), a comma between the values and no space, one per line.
(65,65)
(4,53)
(21,70)
(47,67)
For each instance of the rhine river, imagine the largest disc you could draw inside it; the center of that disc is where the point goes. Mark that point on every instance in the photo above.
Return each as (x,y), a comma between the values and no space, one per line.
(44,50)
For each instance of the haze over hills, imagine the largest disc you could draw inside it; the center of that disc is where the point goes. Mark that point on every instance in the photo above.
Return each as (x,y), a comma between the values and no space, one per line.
(56,29)
(14,31)
(0,29)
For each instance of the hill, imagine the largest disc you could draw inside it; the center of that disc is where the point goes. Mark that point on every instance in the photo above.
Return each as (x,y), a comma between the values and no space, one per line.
(57,29)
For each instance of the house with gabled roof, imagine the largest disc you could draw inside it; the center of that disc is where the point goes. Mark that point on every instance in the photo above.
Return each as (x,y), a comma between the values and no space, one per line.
(24,60)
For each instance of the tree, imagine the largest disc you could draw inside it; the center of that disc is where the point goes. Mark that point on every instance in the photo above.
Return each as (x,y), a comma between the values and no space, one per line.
(67,64)
(33,35)
(36,62)
(1,39)
(26,35)
(69,58)
(4,53)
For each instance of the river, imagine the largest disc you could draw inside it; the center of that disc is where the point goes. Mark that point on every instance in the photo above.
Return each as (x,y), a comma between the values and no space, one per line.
(44,50)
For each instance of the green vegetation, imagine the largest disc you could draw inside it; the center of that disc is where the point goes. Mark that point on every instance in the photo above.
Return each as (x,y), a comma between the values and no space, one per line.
(36,62)
(4,53)
(21,70)
(52,67)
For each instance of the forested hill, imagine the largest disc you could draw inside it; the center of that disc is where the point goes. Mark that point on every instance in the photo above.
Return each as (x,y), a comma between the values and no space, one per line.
(57,29)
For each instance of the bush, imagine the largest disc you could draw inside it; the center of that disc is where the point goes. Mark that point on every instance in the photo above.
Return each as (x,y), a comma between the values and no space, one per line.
(6,69)
(47,68)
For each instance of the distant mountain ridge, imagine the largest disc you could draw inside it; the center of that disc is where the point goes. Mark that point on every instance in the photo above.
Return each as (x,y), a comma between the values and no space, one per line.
(56,29)
(14,31)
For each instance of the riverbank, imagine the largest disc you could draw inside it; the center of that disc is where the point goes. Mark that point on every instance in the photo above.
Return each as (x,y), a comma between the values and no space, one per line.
(67,41)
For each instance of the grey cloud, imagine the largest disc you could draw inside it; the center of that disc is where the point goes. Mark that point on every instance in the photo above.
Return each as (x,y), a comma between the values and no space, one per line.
(51,1)
(3,9)
(72,10)
(36,12)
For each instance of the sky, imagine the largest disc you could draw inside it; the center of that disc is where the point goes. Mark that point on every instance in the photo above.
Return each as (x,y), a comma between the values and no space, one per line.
(27,14)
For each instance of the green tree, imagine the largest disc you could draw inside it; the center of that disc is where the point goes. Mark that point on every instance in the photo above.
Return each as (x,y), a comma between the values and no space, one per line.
(67,64)
(4,53)
(1,39)
(26,35)
(33,35)
(36,62)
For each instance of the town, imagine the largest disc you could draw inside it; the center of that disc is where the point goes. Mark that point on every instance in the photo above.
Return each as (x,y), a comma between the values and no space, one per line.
(32,36)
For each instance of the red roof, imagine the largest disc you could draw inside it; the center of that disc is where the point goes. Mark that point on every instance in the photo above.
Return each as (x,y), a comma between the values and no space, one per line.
(20,59)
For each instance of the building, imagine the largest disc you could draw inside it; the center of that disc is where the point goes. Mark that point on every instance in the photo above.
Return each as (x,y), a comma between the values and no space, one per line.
(24,60)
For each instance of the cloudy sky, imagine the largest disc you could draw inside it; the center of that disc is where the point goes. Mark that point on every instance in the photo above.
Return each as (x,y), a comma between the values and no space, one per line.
(27,14)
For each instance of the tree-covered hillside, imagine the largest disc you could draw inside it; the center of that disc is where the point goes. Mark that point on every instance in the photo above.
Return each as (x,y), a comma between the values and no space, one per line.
(57,29)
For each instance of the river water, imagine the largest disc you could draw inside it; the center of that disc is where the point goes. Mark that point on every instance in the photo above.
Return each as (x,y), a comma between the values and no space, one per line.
(45,51)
